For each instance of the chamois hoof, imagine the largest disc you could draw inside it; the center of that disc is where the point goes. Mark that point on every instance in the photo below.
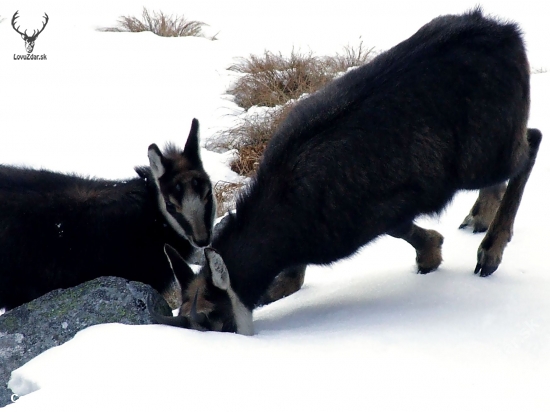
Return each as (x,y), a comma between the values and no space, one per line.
(286,283)
(486,263)
(428,258)
(484,271)
(477,223)
(484,209)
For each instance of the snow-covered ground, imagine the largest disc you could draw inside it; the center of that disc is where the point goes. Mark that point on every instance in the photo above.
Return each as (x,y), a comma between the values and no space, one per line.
(367,333)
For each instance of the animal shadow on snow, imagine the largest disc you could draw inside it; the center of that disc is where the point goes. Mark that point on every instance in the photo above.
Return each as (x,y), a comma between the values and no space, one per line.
(391,298)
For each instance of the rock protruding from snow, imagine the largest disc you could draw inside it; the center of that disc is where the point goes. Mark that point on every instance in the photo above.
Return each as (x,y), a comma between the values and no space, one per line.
(56,317)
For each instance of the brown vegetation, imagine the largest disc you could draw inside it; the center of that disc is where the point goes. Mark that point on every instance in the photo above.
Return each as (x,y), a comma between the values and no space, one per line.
(225,196)
(160,24)
(273,79)
(538,70)
(250,137)
(276,81)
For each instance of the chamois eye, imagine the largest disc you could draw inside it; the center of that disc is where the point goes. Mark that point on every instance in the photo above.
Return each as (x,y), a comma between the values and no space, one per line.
(179,190)
(170,207)
(195,183)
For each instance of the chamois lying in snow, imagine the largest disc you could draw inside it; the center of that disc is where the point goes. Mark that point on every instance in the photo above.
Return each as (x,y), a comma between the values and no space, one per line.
(443,111)
(60,230)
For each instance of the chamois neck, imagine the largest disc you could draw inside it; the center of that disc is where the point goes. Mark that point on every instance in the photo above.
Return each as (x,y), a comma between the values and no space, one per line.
(251,256)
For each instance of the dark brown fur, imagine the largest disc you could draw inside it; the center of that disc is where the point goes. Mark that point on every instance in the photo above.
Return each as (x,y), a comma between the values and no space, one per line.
(485,208)
(58,230)
(427,244)
(443,111)
(285,284)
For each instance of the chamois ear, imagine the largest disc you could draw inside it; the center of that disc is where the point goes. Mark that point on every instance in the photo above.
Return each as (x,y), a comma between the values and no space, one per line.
(142,172)
(156,161)
(218,270)
(191,151)
(180,268)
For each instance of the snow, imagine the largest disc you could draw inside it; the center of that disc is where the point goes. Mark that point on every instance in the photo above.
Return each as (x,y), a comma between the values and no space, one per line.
(365,333)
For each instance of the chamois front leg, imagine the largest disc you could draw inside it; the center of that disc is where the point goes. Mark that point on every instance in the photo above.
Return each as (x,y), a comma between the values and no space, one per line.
(426,242)
(286,283)
(484,209)
(489,254)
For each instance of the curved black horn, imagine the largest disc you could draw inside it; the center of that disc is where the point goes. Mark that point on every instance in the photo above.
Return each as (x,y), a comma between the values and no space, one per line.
(196,317)
(177,321)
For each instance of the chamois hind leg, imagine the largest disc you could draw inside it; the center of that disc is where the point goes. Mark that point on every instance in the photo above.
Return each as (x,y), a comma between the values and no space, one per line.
(286,283)
(485,208)
(426,242)
(489,254)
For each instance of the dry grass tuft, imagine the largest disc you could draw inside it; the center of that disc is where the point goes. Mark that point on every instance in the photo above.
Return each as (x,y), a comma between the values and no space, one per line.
(273,79)
(351,57)
(250,138)
(160,24)
(276,81)
(538,70)
(225,196)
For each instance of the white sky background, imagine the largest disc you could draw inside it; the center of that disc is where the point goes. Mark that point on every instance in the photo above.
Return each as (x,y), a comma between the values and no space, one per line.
(83,93)
(367,333)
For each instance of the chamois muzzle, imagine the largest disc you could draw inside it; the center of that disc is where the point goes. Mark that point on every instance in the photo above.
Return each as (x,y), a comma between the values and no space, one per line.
(198,318)
(177,321)
(202,242)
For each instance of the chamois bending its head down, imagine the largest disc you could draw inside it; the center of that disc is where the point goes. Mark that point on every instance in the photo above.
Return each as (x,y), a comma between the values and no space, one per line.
(443,111)
(60,230)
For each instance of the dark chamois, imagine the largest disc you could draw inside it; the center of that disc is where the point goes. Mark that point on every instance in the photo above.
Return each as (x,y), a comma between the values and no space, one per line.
(443,111)
(60,230)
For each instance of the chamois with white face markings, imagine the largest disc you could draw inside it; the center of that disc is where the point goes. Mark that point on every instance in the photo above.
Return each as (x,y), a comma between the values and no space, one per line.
(211,285)
(59,230)
(443,111)
(185,195)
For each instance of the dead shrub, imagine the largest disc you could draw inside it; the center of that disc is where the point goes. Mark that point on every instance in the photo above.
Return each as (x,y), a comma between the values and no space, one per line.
(539,70)
(225,196)
(160,24)
(272,79)
(250,138)
(352,56)
(276,81)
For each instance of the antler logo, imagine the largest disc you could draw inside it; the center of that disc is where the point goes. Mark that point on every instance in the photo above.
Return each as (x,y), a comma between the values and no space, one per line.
(29,40)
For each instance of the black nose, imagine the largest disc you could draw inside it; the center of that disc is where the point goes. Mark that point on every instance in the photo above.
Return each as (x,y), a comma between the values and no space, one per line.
(202,242)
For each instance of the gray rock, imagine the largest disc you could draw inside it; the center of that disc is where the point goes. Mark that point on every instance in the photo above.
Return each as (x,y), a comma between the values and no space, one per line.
(56,317)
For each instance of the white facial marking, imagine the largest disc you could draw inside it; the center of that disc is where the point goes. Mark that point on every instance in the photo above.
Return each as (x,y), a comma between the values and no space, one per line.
(220,278)
(171,221)
(197,210)
(170,263)
(214,207)
(243,316)
(192,208)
